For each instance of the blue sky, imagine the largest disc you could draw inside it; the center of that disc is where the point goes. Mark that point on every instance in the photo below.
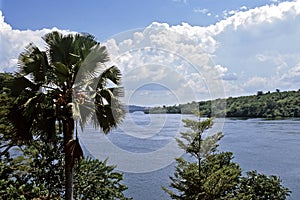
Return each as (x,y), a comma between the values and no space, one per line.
(194,49)
(105,18)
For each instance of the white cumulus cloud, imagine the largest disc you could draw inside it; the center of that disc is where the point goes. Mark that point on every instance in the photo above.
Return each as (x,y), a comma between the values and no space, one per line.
(13,42)
(258,47)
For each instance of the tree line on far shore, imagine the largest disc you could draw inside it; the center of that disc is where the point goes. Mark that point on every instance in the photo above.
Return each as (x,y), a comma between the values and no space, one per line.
(262,105)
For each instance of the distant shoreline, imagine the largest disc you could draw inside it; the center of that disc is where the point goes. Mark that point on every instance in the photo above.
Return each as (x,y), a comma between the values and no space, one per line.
(275,105)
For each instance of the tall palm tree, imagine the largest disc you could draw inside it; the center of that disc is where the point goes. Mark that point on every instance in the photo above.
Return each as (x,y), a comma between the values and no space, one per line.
(66,84)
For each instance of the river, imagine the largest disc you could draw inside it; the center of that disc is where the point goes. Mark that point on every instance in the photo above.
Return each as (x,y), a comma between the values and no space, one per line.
(144,148)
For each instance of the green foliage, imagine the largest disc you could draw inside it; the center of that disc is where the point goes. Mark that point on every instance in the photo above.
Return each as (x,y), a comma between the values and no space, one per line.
(5,125)
(185,180)
(218,178)
(63,85)
(96,180)
(213,175)
(269,105)
(35,170)
(15,182)
(192,141)
(38,172)
(46,165)
(68,68)
(258,186)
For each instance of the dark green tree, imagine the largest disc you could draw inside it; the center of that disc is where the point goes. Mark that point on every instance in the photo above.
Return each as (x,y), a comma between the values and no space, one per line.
(210,174)
(46,165)
(37,173)
(7,140)
(218,178)
(36,170)
(15,182)
(258,186)
(95,179)
(266,105)
(193,180)
(63,85)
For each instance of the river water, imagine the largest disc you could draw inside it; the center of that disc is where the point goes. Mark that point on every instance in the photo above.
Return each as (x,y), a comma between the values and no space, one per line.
(144,148)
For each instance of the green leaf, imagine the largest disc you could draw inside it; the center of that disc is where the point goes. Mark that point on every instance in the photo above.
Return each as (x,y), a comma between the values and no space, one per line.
(61,71)
(113,74)
(20,84)
(34,62)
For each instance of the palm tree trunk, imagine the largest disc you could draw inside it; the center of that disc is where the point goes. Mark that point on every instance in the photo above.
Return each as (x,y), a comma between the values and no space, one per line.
(69,183)
(68,130)
(199,161)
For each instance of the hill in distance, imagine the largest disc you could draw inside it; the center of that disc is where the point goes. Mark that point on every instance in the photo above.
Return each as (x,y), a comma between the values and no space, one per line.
(262,105)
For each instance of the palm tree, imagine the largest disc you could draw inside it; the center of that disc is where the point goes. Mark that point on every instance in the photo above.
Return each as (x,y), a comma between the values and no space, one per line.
(66,84)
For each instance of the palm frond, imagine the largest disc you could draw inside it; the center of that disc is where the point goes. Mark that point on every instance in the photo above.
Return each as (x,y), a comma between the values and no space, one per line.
(61,49)
(106,103)
(20,84)
(53,41)
(107,117)
(104,96)
(82,111)
(113,74)
(77,63)
(52,38)
(22,124)
(98,54)
(117,91)
(83,43)
(92,64)
(34,62)
(108,111)
(61,72)
(95,81)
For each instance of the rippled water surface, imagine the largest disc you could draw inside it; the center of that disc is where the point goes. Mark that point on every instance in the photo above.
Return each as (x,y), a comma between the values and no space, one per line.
(144,148)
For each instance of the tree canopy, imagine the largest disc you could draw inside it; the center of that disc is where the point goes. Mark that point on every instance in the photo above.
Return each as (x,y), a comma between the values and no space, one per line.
(35,170)
(64,85)
(210,174)
(263,105)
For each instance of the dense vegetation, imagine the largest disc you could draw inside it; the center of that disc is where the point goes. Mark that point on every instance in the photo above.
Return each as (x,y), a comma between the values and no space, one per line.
(35,169)
(269,105)
(210,174)
(60,87)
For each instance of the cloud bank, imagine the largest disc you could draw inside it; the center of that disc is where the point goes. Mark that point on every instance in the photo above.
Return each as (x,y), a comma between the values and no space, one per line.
(13,42)
(250,50)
